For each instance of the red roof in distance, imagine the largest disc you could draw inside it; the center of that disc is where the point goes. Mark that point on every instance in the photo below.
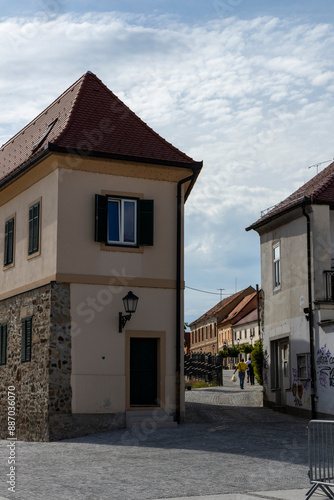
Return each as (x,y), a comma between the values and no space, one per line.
(225,306)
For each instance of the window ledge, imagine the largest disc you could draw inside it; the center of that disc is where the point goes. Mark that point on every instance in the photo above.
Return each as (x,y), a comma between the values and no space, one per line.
(121,248)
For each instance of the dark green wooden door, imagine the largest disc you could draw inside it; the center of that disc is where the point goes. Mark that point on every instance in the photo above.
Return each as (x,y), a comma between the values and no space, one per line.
(143,372)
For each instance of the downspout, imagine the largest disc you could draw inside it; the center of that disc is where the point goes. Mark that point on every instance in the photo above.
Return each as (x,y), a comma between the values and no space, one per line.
(258,311)
(310,311)
(178,293)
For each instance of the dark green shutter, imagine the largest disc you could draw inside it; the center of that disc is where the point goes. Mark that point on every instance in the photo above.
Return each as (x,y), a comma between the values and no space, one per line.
(101,218)
(23,341)
(9,242)
(33,228)
(5,261)
(31,221)
(10,245)
(3,344)
(26,339)
(145,222)
(36,228)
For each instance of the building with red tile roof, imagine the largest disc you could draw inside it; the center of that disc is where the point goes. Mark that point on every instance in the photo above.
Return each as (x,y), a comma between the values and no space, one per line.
(226,333)
(204,330)
(91,204)
(89,120)
(318,190)
(297,279)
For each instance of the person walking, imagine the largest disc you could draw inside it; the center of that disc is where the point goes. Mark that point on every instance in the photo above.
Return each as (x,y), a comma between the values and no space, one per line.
(241,367)
(250,371)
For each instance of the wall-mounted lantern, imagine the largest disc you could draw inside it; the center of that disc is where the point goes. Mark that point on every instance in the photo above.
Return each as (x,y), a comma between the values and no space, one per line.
(130,302)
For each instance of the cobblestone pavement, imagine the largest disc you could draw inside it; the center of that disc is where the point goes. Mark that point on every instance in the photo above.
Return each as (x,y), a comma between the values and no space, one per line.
(229,444)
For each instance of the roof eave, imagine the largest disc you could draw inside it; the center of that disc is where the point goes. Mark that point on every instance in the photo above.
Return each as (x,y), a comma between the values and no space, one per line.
(196,168)
(24,167)
(305,201)
(112,156)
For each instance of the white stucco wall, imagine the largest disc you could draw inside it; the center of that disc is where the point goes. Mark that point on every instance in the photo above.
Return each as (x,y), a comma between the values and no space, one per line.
(284,316)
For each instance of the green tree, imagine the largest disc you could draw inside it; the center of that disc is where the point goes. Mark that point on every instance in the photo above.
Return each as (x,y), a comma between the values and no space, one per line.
(246,348)
(230,352)
(257,361)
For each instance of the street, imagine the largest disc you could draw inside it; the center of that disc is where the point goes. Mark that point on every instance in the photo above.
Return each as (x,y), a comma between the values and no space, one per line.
(229,444)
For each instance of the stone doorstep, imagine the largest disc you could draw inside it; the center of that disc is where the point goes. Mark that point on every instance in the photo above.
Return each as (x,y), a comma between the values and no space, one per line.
(155,419)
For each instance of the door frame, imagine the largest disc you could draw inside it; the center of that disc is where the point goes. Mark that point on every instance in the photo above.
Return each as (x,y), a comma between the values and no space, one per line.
(161,354)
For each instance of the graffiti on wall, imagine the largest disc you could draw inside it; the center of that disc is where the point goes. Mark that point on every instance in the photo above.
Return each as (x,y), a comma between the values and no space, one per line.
(300,390)
(325,367)
(265,367)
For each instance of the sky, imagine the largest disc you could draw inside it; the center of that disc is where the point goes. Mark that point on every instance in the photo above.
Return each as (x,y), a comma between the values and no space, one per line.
(246,86)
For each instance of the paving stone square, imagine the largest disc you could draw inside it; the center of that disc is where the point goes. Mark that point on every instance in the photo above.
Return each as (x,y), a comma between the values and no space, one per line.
(229,444)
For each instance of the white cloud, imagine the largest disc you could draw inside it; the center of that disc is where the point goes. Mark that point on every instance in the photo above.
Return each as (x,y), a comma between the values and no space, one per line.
(253,99)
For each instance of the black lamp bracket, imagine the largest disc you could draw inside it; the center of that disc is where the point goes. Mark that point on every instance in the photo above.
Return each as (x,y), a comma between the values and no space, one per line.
(122,321)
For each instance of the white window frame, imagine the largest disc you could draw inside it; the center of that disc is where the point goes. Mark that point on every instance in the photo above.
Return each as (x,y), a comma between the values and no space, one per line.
(303,366)
(121,221)
(277,271)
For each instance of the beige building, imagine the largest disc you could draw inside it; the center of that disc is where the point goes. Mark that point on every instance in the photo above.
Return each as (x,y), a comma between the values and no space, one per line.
(297,242)
(246,331)
(204,330)
(226,332)
(91,208)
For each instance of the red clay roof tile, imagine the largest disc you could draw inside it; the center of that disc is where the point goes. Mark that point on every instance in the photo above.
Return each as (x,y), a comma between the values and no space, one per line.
(88,118)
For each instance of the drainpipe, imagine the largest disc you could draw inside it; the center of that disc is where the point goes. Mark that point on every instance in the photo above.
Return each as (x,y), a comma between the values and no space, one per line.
(258,311)
(178,293)
(310,311)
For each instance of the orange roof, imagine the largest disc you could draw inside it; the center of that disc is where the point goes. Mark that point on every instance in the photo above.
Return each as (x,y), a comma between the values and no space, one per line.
(239,308)
(90,120)
(319,189)
(250,317)
(223,304)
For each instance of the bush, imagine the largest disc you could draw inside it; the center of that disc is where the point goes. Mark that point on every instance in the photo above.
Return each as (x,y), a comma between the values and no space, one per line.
(200,384)
(257,361)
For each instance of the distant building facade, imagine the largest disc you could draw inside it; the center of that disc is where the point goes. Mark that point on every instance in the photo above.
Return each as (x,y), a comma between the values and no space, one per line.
(204,331)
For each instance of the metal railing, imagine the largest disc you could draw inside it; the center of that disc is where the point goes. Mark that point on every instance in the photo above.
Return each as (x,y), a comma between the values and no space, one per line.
(329,285)
(206,367)
(321,456)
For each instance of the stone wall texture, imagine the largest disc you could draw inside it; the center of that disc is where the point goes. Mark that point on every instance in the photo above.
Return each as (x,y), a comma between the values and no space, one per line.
(30,379)
(43,385)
